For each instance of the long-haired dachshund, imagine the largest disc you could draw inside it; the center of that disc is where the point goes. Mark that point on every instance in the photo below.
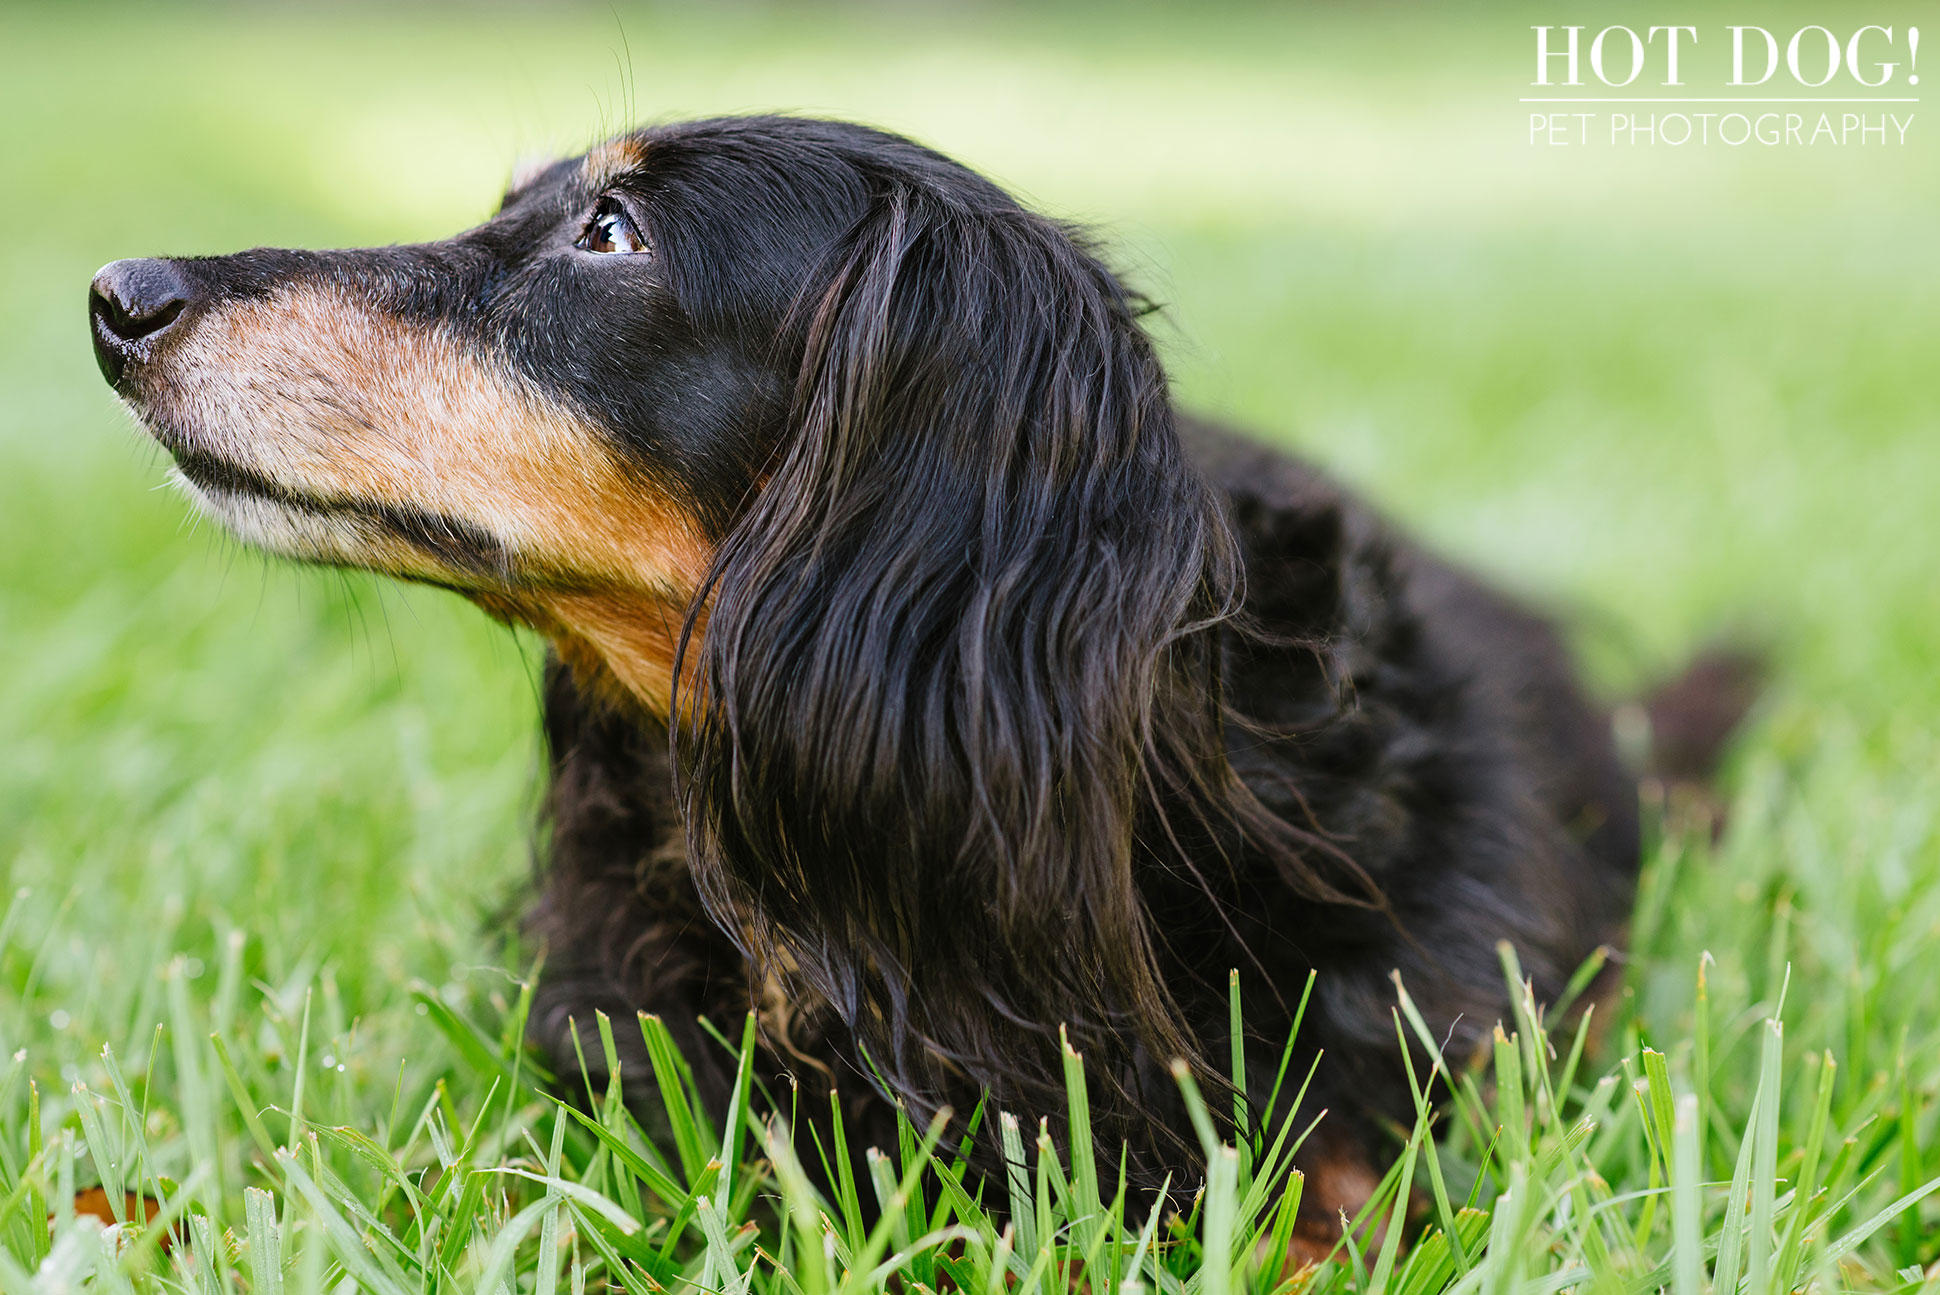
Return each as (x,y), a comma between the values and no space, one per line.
(920,679)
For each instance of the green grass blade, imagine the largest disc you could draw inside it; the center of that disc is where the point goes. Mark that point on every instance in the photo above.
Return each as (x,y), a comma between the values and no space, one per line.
(1509,1080)
(1236,1046)
(1860,1234)
(670,1074)
(1216,1276)
(737,1111)
(1397,1222)
(546,1279)
(372,1270)
(658,1181)
(265,1242)
(1023,1206)
(1764,1175)
(1805,1192)
(1662,1103)
(503,1252)
(239,1092)
(1687,1206)
(1438,1189)
(1196,1110)
(848,1199)
(1086,1209)
(471,1044)
(102,1150)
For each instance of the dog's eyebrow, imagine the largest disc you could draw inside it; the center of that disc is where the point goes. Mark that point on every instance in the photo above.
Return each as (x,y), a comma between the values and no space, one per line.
(607,162)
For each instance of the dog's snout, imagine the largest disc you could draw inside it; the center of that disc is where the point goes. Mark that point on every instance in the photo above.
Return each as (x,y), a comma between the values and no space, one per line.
(130,305)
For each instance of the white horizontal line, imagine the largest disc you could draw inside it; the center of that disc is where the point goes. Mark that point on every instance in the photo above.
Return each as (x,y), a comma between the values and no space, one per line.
(1718,101)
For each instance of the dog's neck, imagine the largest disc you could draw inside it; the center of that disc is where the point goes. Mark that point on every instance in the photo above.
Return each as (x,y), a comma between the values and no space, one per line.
(620,646)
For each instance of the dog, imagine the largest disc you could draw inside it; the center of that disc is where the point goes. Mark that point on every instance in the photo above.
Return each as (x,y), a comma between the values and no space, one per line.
(920,679)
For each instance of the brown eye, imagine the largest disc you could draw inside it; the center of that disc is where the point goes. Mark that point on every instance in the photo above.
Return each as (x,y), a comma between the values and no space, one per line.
(611,230)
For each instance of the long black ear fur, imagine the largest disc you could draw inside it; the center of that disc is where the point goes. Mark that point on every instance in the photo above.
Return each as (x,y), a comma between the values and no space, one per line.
(959,659)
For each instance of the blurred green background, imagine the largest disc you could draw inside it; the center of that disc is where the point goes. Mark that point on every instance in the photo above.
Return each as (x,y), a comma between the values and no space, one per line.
(1670,393)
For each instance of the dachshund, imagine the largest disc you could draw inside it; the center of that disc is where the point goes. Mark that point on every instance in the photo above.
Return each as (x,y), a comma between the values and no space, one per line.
(920,678)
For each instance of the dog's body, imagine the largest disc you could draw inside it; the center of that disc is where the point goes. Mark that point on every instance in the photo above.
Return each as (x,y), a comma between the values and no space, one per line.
(920,681)
(1425,730)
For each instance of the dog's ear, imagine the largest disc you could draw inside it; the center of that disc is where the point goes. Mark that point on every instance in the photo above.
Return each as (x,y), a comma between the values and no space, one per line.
(958,660)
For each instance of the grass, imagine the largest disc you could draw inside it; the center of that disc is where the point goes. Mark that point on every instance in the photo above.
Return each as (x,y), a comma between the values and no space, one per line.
(260,826)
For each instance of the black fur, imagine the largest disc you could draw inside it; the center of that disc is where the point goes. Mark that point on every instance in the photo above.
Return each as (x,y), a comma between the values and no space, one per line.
(1016,704)
(1407,776)
(1012,718)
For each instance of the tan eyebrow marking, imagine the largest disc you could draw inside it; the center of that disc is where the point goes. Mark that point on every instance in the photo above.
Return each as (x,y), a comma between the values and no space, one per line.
(608,162)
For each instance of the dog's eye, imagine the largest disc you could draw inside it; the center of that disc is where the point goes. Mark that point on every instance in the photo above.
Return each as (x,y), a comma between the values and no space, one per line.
(610,230)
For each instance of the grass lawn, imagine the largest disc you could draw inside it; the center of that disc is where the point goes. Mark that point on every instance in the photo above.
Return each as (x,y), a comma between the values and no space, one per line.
(260,827)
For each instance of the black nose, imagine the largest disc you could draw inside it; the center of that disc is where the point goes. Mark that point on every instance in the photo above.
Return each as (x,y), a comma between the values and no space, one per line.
(130,305)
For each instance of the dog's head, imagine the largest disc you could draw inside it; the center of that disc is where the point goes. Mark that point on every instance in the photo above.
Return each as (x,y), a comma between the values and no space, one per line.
(561,413)
(825,433)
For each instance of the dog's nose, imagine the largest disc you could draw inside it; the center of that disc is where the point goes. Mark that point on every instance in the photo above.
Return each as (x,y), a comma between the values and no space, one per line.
(130,304)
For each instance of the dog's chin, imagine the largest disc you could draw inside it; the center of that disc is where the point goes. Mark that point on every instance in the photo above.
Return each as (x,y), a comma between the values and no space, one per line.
(231,475)
(287,522)
(284,529)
